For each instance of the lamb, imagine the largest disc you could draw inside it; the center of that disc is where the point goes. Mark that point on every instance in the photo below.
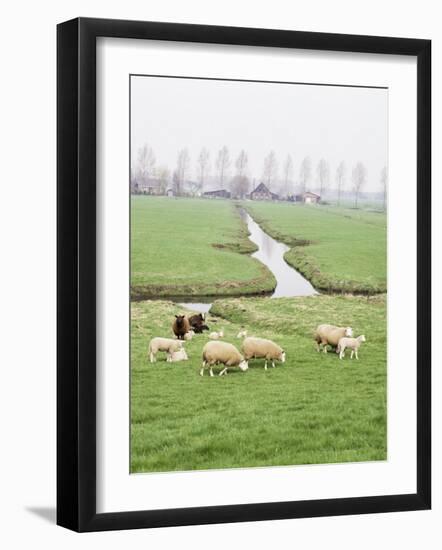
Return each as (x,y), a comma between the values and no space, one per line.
(224,353)
(180,326)
(242,333)
(163,344)
(352,343)
(330,335)
(189,335)
(176,356)
(260,348)
(216,335)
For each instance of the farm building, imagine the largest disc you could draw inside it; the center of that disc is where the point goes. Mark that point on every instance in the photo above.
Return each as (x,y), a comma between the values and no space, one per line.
(217,194)
(263,193)
(308,198)
(149,186)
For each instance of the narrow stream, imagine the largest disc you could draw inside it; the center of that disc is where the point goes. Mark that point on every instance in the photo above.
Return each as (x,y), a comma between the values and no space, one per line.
(271,253)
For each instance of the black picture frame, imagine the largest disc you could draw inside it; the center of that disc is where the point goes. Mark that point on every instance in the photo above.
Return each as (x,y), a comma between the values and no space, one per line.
(76,273)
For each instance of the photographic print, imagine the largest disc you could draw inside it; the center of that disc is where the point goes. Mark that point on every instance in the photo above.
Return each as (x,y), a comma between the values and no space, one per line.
(258,258)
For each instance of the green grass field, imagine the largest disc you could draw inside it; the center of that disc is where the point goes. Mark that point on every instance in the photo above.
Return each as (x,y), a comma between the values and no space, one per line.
(312,409)
(186,247)
(347,250)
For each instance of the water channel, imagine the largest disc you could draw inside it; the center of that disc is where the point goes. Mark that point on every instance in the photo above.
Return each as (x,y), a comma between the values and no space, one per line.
(271,253)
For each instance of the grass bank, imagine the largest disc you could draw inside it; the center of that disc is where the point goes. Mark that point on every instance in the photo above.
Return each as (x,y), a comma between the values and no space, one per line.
(346,249)
(313,409)
(183,247)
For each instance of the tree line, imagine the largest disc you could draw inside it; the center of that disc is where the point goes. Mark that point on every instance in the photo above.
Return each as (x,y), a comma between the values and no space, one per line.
(234,174)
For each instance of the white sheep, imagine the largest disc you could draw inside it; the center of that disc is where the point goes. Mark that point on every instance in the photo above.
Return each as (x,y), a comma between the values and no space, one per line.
(260,348)
(216,335)
(189,335)
(224,353)
(242,333)
(352,343)
(330,335)
(163,344)
(176,356)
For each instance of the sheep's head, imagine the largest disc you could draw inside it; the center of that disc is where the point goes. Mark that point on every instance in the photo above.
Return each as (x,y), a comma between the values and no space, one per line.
(282,356)
(179,320)
(243,365)
(349,332)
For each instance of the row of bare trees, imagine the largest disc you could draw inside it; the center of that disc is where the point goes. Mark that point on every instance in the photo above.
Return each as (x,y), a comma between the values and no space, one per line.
(239,184)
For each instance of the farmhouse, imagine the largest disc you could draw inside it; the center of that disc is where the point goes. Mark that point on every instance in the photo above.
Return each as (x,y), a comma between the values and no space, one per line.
(217,194)
(149,186)
(308,198)
(263,193)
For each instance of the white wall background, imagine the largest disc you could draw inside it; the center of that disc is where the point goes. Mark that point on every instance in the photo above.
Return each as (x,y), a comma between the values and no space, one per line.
(27,289)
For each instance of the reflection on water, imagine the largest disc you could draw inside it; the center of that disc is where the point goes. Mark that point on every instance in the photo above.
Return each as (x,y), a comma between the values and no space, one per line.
(271,253)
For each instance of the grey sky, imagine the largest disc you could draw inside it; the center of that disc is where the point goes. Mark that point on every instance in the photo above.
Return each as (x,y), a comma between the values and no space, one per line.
(334,123)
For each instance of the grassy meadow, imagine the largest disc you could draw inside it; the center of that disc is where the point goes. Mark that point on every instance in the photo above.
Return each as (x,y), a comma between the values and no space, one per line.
(337,249)
(184,247)
(312,409)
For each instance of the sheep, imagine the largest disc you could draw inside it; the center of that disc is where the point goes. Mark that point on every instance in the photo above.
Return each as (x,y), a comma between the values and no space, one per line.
(216,335)
(189,335)
(260,348)
(352,343)
(197,323)
(242,333)
(163,344)
(224,353)
(180,326)
(176,356)
(330,335)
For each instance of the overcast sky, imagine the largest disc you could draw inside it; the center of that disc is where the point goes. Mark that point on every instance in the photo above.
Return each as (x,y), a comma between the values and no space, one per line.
(334,123)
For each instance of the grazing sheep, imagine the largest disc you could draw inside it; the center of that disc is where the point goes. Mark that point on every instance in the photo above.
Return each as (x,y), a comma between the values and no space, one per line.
(163,344)
(180,326)
(224,353)
(199,329)
(352,343)
(260,348)
(189,335)
(197,323)
(216,335)
(242,333)
(330,335)
(176,356)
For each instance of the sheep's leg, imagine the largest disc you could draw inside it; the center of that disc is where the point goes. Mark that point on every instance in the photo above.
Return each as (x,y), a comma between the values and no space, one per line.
(152,358)
(224,371)
(265,365)
(211,371)
(356,353)
(324,347)
(351,354)
(273,364)
(202,371)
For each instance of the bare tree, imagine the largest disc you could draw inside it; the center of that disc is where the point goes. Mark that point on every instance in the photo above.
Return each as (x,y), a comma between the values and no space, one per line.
(288,174)
(359,178)
(323,176)
(340,179)
(182,170)
(384,183)
(145,163)
(203,167)
(223,165)
(305,173)
(240,186)
(270,169)
(163,178)
(241,164)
